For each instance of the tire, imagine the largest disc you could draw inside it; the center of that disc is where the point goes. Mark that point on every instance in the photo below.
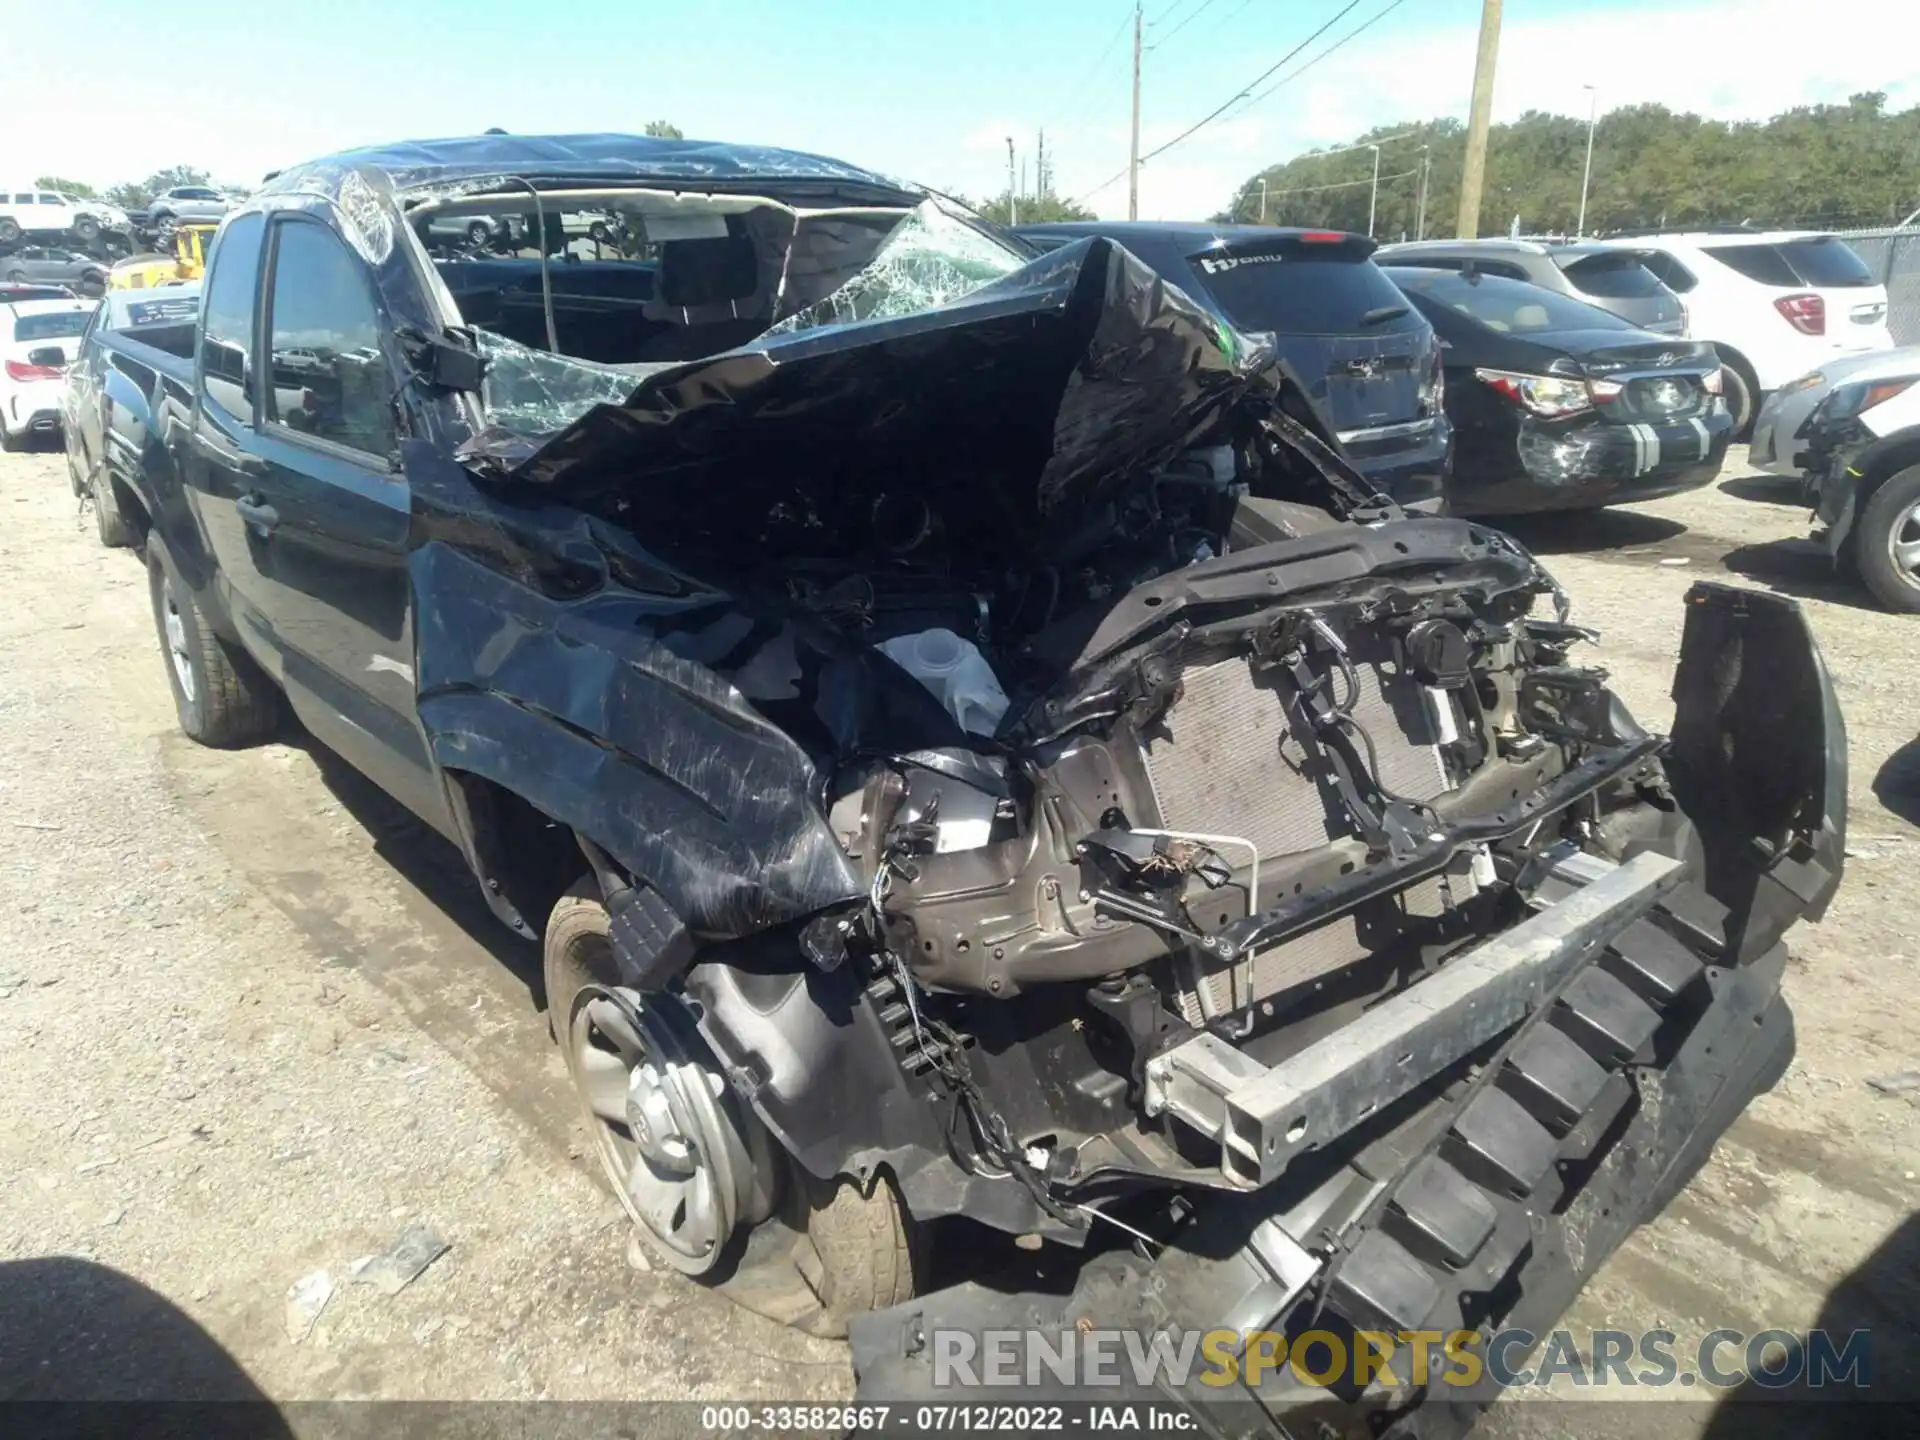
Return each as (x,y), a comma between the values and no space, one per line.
(86,227)
(599,234)
(10,441)
(93,284)
(111,526)
(75,482)
(1738,393)
(1889,524)
(16,277)
(864,1246)
(222,698)
(479,234)
(858,1253)
(9,230)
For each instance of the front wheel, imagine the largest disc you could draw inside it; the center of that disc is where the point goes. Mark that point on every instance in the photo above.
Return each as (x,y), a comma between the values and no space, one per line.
(479,234)
(86,227)
(1887,543)
(222,698)
(1739,397)
(689,1161)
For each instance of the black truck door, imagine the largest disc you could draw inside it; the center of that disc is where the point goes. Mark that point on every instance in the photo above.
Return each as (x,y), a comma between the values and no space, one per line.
(328,511)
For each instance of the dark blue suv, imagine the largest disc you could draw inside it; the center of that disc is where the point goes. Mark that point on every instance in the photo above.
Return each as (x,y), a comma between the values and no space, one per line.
(1366,363)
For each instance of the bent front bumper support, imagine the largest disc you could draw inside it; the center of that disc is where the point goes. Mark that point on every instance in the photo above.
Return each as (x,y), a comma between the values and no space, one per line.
(1265,1117)
(1433,1218)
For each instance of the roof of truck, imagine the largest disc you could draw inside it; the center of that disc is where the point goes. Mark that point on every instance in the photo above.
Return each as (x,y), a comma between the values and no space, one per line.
(427,166)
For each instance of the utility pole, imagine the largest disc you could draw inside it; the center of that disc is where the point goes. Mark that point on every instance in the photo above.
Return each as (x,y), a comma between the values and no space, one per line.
(1133,154)
(1263,199)
(1373,198)
(1426,167)
(1586,179)
(1013,203)
(1473,173)
(1040,169)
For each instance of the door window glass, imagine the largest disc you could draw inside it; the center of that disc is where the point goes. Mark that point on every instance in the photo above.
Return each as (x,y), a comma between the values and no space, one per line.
(330,376)
(227,332)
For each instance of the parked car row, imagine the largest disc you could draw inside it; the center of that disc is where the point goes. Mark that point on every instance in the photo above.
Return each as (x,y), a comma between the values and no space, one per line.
(50,219)
(1449,377)
(985,768)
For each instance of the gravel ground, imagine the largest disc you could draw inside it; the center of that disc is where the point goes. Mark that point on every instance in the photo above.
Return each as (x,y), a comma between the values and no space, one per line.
(256,1023)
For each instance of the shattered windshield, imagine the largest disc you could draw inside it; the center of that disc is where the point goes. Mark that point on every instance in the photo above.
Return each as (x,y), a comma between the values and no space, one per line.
(535,392)
(933,257)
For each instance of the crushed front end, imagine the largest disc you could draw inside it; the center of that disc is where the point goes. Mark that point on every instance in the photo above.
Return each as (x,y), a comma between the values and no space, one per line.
(1059,793)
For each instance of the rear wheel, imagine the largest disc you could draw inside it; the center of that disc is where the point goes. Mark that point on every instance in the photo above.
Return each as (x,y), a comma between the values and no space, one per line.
(14,277)
(1738,392)
(1887,543)
(115,533)
(479,234)
(9,230)
(689,1161)
(220,695)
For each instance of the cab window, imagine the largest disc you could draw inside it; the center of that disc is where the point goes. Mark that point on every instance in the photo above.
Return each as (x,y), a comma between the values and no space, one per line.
(331,379)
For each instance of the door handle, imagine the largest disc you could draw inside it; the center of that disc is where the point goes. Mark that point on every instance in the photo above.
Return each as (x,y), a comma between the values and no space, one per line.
(258,514)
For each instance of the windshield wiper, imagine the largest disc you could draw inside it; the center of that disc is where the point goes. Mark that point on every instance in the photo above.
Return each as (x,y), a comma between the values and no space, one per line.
(1383,313)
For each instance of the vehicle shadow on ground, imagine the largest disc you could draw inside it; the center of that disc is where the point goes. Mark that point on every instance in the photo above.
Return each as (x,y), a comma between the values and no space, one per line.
(422,857)
(1764,489)
(86,1350)
(1897,786)
(1881,1298)
(1574,532)
(1799,567)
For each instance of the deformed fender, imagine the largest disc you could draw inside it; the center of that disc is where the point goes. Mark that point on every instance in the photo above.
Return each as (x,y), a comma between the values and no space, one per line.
(1759,761)
(582,709)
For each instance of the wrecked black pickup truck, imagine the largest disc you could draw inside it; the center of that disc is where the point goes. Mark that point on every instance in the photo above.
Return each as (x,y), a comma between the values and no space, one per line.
(1000,800)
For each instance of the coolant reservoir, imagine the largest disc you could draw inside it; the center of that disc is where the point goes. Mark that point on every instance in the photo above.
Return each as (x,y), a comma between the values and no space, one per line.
(956,674)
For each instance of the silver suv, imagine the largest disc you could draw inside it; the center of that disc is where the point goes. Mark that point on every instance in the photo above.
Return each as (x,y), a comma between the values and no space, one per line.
(1608,276)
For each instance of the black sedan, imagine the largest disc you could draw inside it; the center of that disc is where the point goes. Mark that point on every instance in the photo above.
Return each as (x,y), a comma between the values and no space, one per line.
(1557,405)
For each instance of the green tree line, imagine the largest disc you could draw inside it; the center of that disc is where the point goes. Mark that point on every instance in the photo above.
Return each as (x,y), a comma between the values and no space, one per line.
(1815,166)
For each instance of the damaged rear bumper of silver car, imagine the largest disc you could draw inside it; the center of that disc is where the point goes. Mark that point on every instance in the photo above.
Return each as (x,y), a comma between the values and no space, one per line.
(1265,1117)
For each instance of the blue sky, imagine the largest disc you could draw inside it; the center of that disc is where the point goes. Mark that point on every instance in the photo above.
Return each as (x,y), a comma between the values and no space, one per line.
(926,90)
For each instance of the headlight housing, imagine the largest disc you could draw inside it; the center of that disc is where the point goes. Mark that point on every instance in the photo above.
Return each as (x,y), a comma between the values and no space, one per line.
(1862,395)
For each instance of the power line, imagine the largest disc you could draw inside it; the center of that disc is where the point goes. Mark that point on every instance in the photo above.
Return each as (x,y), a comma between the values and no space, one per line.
(1093,70)
(1209,119)
(1192,15)
(1336,185)
(1161,18)
(1358,29)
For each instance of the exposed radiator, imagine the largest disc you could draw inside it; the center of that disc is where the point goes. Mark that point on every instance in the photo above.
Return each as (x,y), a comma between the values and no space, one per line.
(1209,988)
(1224,760)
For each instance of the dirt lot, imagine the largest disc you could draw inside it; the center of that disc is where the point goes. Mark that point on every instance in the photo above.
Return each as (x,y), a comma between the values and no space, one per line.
(256,1023)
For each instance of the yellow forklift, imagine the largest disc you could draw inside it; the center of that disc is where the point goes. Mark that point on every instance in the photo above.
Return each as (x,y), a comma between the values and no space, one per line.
(152,270)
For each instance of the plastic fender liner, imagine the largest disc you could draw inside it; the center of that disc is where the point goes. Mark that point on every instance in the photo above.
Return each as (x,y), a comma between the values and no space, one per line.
(580,709)
(1758,761)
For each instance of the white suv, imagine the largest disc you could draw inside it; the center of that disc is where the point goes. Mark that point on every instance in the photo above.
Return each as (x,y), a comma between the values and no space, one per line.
(26,211)
(1773,303)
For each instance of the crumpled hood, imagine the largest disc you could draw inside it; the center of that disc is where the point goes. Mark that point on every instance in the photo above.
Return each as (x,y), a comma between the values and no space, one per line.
(1055,387)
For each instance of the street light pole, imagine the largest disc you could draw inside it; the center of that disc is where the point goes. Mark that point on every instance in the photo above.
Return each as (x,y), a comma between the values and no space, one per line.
(1373,199)
(1593,112)
(1263,199)
(1013,214)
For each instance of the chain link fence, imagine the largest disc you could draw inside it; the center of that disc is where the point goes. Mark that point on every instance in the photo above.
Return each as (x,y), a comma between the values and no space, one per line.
(1894,258)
